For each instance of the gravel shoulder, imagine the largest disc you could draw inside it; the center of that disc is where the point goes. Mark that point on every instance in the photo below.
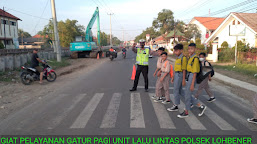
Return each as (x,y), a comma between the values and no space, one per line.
(14,95)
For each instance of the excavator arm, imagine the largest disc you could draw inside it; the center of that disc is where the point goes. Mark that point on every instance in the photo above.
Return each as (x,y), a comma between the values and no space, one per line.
(89,37)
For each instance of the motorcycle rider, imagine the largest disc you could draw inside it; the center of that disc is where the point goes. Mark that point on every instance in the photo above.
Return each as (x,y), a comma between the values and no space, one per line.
(35,64)
(124,50)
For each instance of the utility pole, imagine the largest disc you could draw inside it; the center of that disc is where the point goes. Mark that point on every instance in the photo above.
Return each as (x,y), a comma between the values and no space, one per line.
(111,27)
(236,50)
(4,29)
(56,35)
(209,12)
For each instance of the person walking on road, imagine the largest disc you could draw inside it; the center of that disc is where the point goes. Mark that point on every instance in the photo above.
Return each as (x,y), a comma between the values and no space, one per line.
(204,84)
(142,64)
(193,67)
(254,119)
(164,80)
(179,76)
(157,72)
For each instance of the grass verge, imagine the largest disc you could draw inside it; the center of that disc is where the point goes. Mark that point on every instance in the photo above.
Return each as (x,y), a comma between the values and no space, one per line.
(245,69)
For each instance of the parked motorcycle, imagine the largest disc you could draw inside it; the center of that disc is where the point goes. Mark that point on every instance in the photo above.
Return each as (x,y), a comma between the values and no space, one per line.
(28,74)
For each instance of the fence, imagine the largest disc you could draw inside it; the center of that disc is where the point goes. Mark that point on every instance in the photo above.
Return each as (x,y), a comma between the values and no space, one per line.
(11,59)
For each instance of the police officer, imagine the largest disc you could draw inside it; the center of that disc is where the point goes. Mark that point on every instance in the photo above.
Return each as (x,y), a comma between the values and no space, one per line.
(142,64)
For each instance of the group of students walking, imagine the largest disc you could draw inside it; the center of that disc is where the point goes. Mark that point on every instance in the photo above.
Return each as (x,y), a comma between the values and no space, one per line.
(183,75)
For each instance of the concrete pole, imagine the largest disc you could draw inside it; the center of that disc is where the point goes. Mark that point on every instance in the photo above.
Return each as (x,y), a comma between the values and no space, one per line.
(56,35)
(236,50)
(110,28)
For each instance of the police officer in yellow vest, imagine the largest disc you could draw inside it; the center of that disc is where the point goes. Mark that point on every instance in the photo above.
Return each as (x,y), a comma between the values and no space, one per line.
(142,64)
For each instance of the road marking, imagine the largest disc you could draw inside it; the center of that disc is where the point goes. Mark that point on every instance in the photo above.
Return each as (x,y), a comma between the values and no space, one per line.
(136,112)
(220,122)
(236,116)
(85,115)
(66,111)
(192,121)
(162,115)
(110,116)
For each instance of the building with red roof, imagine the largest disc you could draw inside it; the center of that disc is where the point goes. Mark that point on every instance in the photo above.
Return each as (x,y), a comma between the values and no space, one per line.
(9,30)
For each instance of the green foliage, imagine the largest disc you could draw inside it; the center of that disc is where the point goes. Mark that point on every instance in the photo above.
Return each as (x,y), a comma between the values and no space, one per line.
(68,30)
(226,55)
(165,21)
(242,46)
(23,33)
(151,31)
(192,31)
(224,44)
(246,69)
(57,65)
(103,38)
(115,41)
(1,45)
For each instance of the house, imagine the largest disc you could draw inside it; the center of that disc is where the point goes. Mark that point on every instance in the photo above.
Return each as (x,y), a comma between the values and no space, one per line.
(33,42)
(243,23)
(9,30)
(206,25)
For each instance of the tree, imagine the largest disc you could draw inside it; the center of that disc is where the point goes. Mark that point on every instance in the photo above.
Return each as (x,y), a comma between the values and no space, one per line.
(115,41)
(153,34)
(164,22)
(1,45)
(224,44)
(103,38)
(192,31)
(25,34)
(68,30)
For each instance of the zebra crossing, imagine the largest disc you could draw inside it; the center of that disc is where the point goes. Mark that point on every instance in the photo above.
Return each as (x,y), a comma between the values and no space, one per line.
(136,111)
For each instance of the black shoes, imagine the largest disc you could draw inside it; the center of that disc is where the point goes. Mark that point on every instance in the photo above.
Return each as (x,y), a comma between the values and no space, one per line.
(211,100)
(202,108)
(133,89)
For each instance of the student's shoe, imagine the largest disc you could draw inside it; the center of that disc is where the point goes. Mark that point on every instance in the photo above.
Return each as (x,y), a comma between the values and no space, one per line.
(158,99)
(173,108)
(252,120)
(133,89)
(202,108)
(183,115)
(166,101)
(191,105)
(211,100)
(154,97)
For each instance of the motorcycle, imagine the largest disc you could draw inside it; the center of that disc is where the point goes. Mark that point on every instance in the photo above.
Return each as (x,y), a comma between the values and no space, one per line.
(28,74)
(113,55)
(124,55)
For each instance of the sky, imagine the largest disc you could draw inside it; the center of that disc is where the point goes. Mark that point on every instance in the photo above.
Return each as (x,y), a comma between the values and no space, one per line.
(130,17)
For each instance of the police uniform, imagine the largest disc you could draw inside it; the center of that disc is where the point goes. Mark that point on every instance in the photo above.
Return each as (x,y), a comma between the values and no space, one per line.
(158,84)
(142,66)
(180,65)
(165,68)
(191,69)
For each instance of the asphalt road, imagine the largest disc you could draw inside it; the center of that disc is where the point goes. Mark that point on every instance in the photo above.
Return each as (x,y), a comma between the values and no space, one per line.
(99,103)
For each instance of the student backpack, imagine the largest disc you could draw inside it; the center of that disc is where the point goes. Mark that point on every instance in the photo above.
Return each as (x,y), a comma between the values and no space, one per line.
(171,68)
(200,77)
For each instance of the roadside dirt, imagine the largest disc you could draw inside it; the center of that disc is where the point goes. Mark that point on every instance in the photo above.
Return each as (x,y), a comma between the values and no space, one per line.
(15,95)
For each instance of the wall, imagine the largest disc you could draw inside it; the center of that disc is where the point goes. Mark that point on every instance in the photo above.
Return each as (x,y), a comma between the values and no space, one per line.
(201,28)
(224,36)
(12,61)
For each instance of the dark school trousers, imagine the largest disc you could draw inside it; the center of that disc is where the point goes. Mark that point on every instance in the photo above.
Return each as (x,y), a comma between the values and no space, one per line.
(144,70)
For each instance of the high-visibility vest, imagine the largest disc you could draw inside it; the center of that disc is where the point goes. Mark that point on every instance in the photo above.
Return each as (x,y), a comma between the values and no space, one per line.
(142,56)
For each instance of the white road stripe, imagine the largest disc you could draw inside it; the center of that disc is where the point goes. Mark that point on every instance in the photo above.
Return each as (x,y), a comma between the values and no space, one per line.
(136,112)
(192,121)
(220,122)
(110,116)
(162,115)
(85,115)
(236,116)
(56,121)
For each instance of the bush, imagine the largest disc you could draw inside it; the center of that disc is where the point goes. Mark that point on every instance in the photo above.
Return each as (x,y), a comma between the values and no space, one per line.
(224,44)
(1,45)
(242,47)
(226,55)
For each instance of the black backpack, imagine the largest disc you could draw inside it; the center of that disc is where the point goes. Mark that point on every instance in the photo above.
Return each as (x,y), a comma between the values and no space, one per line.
(200,77)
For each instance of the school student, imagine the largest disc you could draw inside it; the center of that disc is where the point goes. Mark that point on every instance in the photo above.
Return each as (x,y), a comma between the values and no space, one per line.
(164,80)
(193,67)
(254,119)
(158,72)
(204,84)
(179,76)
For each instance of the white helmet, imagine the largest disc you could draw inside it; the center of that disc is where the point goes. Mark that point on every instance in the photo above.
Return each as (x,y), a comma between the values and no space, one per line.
(142,40)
